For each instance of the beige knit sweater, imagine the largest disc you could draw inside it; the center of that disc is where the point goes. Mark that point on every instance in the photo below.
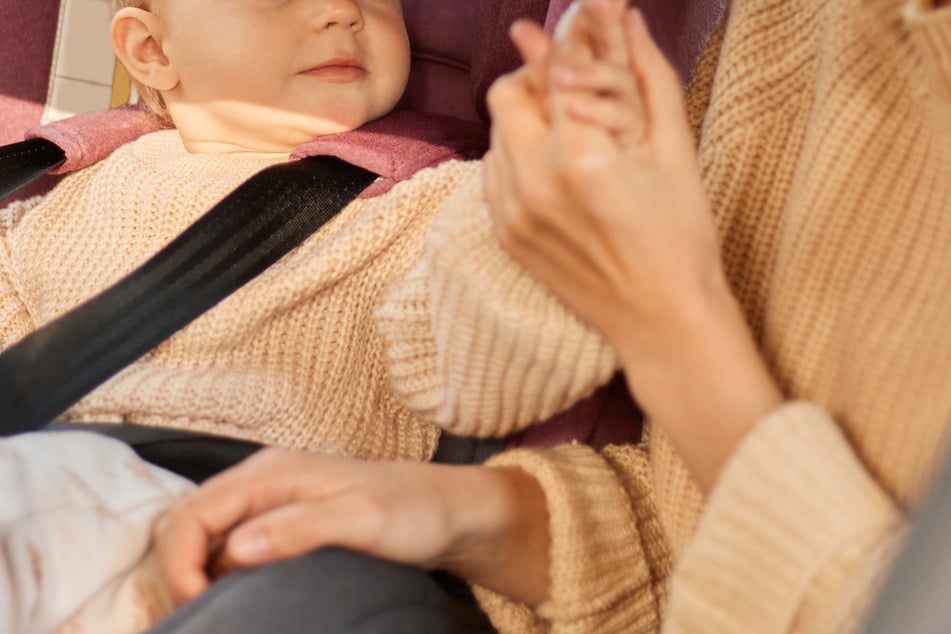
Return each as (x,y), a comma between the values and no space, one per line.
(825,141)
(291,359)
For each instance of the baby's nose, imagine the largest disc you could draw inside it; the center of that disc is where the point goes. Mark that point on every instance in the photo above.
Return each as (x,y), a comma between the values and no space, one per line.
(339,13)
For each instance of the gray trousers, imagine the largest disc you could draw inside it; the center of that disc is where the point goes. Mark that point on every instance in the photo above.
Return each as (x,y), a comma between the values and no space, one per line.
(331,591)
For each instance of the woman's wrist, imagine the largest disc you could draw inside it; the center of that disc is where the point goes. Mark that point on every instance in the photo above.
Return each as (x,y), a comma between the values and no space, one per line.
(500,533)
(701,378)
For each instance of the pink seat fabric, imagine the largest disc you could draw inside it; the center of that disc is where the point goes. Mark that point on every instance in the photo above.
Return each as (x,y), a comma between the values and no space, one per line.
(27,31)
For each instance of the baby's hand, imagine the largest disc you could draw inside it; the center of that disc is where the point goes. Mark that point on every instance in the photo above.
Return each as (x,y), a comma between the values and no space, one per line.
(589,31)
(152,592)
(593,78)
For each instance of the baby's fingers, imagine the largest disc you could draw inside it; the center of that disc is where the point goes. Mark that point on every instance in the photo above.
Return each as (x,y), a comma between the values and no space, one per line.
(604,19)
(609,115)
(571,42)
(535,48)
(606,96)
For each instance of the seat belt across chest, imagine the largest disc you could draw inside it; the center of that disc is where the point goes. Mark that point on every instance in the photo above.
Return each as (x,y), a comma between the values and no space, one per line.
(262,220)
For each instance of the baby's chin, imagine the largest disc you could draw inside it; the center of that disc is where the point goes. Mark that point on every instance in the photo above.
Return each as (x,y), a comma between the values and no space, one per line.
(311,127)
(246,127)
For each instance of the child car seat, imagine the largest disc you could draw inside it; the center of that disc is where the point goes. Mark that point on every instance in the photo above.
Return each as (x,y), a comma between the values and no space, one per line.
(459,48)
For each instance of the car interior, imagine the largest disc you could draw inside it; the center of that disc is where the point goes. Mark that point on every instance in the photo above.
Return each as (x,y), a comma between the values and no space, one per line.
(65,104)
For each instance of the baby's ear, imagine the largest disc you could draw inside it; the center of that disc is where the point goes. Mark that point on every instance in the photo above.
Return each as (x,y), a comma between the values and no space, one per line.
(137,42)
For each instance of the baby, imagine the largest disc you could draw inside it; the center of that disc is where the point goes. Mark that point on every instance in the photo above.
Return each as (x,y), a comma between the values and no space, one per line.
(291,359)
(300,356)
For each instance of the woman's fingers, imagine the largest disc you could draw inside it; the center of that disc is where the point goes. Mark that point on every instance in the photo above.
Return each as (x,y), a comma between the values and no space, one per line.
(398,527)
(295,529)
(660,85)
(607,114)
(517,136)
(194,528)
(515,108)
(182,547)
(598,78)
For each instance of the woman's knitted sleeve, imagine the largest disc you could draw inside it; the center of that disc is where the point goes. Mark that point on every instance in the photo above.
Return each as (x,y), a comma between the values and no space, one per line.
(473,343)
(15,320)
(610,560)
(796,536)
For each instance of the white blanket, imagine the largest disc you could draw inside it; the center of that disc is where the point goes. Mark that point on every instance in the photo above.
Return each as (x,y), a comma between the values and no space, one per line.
(76,517)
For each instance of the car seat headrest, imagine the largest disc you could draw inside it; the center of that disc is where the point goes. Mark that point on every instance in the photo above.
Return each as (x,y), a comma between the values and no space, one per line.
(459,48)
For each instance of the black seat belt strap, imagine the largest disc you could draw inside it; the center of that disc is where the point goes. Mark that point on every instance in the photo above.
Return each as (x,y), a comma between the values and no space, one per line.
(24,162)
(258,223)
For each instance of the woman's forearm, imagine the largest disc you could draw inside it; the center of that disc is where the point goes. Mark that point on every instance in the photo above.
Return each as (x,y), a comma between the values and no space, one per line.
(701,378)
(500,522)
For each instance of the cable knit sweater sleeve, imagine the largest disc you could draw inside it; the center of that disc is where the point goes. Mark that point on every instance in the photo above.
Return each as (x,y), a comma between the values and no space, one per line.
(15,320)
(474,344)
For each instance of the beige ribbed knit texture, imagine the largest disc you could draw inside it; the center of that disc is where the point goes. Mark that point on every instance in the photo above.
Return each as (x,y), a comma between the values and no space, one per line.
(292,359)
(826,151)
(504,353)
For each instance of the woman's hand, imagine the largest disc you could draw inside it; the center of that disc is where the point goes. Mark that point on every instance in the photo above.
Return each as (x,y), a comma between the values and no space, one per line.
(602,199)
(489,526)
(597,192)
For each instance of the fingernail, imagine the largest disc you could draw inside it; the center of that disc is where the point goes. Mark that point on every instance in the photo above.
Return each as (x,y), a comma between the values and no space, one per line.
(250,547)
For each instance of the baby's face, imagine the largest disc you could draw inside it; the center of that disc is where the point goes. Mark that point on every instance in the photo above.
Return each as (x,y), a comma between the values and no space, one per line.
(277,73)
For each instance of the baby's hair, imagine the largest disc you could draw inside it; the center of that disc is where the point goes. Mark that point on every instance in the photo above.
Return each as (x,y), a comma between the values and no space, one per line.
(148,96)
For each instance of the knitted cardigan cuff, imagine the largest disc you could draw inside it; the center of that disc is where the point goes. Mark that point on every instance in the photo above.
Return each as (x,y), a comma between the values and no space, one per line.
(15,319)
(790,502)
(473,343)
(931,34)
(601,576)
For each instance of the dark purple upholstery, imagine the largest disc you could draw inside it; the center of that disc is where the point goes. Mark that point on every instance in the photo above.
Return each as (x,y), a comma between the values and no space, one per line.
(681,27)
(27,32)
(459,48)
